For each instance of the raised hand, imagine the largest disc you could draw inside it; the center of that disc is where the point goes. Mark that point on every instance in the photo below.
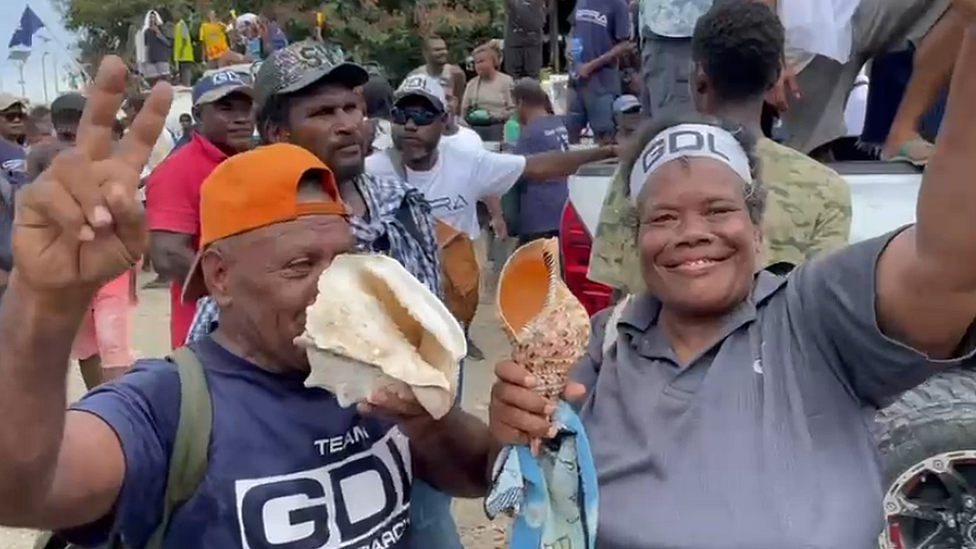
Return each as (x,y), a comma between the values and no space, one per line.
(79,224)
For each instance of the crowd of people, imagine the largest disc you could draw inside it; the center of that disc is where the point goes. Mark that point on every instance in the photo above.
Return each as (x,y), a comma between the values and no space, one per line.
(172,53)
(701,368)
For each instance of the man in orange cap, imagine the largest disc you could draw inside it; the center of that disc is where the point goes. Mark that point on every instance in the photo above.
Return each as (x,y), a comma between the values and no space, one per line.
(282,464)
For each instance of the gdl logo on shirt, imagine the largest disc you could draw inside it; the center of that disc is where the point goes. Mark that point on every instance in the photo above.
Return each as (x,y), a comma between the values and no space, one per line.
(361,502)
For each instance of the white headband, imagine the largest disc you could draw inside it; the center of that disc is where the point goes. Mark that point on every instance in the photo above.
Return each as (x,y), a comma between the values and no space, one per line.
(689,140)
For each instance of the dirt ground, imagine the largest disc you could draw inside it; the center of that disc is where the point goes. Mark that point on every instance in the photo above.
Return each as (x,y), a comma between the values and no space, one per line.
(152,340)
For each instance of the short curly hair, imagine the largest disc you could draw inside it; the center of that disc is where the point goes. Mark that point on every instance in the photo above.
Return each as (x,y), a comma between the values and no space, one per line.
(740,45)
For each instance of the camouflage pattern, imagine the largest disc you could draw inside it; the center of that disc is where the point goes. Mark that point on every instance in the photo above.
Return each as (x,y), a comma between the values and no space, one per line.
(672,18)
(300,65)
(808,212)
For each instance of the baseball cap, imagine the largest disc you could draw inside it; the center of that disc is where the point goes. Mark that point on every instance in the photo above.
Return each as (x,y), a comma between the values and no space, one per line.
(8,100)
(256,189)
(626,103)
(71,101)
(216,86)
(298,66)
(425,86)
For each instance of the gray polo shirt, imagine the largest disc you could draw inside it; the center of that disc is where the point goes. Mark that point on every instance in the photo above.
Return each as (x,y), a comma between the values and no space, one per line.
(762,442)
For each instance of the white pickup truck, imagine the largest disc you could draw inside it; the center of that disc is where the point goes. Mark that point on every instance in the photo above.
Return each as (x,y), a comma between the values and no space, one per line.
(927,438)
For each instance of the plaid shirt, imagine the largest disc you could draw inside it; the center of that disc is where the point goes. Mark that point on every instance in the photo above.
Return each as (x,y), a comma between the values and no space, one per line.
(407,237)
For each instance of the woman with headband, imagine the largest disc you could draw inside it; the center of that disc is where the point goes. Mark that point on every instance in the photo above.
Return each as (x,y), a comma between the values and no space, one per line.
(730,407)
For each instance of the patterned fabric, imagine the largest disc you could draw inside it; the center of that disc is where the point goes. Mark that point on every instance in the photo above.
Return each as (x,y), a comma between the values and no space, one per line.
(554,496)
(383,231)
(672,18)
(808,212)
(297,66)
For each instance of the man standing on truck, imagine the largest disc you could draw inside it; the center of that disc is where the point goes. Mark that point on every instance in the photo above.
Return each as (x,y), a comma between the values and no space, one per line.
(737,48)
(826,52)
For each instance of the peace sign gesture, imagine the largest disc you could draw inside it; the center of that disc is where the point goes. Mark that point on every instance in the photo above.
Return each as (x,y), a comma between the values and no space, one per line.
(79,224)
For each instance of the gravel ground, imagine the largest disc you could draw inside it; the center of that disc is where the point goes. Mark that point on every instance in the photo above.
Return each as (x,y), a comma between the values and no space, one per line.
(152,339)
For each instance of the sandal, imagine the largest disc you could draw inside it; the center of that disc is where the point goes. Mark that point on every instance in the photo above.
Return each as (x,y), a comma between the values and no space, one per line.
(904,153)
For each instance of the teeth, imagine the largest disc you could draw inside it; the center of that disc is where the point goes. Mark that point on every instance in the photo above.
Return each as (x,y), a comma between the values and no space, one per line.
(699,262)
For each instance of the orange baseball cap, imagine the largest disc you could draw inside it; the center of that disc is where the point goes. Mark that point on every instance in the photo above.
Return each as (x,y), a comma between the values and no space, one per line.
(255,189)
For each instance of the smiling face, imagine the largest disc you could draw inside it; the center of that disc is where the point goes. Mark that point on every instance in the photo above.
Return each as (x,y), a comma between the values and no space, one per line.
(699,247)
(436,53)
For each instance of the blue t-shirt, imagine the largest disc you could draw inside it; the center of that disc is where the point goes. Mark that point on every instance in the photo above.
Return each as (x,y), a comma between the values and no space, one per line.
(13,175)
(288,468)
(255,49)
(541,202)
(598,26)
(278,39)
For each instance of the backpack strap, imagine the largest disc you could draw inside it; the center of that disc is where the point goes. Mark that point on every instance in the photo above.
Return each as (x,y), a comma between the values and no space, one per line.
(610,329)
(188,463)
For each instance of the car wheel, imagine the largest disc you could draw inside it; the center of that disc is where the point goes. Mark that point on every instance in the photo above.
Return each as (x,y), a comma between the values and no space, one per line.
(928,448)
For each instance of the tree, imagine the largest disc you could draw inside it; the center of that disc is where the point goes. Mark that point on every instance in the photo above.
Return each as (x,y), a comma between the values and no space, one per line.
(386,32)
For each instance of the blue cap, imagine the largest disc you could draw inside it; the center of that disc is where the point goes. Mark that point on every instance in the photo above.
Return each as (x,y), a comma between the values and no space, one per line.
(216,86)
(626,103)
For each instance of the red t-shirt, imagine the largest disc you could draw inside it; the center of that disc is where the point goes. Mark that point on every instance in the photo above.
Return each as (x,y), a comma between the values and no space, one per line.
(173,205)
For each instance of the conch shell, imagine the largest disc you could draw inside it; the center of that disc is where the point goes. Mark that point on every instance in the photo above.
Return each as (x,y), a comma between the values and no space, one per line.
(372,326)
(548,327)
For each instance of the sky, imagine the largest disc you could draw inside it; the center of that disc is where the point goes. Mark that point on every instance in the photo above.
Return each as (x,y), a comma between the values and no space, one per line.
(58,58)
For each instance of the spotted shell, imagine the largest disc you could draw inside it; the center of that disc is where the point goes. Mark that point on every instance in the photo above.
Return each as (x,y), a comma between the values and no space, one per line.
(549,328)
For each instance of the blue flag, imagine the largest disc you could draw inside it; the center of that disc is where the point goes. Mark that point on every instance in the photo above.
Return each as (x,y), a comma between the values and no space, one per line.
(23,36)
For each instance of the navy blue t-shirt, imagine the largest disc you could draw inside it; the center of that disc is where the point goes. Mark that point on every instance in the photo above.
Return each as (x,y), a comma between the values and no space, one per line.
(13,175)
(541,203)
(598,26)
(288,468)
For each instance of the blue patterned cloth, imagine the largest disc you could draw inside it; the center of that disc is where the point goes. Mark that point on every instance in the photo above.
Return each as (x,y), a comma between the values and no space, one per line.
(383,231)
(554,495)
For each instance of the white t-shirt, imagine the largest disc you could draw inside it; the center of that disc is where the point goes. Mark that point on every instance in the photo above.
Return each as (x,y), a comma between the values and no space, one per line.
(384,138)
(823,27)
(460,178)
(465,138)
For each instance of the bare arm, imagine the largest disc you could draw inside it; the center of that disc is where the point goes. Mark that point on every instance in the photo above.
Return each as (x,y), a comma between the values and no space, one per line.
(555,164)
(615,53)
(171,254)
(48,477)
(927,276)
(460,81)
(494,205)
(455,456)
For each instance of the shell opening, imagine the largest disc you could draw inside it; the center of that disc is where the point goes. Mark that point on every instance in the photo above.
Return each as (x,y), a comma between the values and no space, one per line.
(526,284)
(428,347)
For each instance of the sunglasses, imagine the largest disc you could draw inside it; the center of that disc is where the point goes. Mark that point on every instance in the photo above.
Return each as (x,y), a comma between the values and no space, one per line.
(14,116)
(419,115)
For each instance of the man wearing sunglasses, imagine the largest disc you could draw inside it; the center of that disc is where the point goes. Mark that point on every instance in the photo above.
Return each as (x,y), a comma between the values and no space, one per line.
(13,172)
(455,178)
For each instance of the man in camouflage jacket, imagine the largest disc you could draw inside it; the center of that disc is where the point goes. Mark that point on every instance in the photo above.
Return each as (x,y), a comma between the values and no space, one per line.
(808,207)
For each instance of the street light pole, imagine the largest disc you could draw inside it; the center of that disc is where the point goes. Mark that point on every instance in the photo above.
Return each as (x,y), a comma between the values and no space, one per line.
(23,85)
(47,100)
(57,77)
